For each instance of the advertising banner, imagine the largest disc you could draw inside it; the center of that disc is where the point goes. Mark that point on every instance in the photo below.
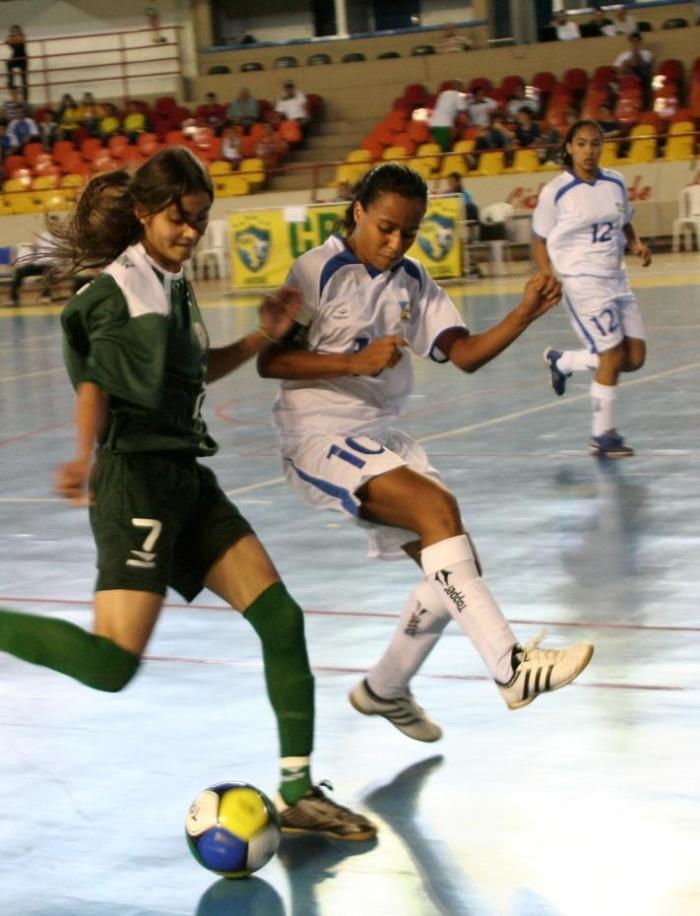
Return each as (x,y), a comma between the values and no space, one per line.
(265,243)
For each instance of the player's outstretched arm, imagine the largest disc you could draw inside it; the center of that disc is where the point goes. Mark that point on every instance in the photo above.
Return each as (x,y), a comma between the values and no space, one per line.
(470,352)
(288,363)
(276,315)
(540,256)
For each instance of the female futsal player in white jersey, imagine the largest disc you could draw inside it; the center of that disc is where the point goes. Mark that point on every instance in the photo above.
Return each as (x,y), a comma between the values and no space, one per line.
(347,374)
(582,223)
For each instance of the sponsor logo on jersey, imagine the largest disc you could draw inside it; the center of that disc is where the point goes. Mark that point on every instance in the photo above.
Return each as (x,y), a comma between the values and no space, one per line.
(253,247)
(405,308)
(437,235)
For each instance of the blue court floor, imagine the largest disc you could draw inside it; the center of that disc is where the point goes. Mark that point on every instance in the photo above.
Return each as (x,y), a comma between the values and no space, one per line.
(584,804)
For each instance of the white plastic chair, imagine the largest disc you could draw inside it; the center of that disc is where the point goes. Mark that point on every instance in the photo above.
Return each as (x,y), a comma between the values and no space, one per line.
(688,218)
(498,248)
(215,247)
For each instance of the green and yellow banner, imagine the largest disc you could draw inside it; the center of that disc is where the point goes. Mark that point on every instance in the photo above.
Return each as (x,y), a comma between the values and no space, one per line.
(265,243)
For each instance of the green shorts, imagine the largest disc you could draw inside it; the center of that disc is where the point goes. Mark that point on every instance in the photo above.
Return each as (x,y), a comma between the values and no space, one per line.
(159,520)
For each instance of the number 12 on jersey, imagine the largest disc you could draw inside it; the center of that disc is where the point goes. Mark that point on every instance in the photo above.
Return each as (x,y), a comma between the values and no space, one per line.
(602,232)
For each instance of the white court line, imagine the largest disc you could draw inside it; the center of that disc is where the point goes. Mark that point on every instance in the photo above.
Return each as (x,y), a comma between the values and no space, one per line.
(13,378)
(276,481)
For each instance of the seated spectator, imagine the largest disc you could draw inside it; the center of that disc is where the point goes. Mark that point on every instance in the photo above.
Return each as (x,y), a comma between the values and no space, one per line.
(639,61)
(231,146)
(451,41)
(607,123)
(110,123)
(527,130)
(134,122)
(211,113)
(471,215)
(22,130)
(343,191)
(243,111)
(48,128)
(448,105)
(565,28)
(293,104)
(481,108)
(521,100)
(67,117)
(625,23)
(270,147)
(601,25)
(497,135)
(89,113)
(7,145)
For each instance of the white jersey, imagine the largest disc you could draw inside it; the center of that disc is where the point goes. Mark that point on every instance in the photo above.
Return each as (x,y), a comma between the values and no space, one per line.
(345,306)
(583,224)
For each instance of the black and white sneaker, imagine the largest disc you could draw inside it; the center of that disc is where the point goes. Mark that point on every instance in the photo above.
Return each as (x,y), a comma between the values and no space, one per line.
(316,813)
(537,671)
(403,712)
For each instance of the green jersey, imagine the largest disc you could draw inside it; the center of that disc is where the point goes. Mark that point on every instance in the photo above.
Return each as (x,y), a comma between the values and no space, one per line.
(137,333)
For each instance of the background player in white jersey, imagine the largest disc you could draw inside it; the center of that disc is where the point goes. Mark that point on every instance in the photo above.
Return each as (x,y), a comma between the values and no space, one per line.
(582,223)
(346,377)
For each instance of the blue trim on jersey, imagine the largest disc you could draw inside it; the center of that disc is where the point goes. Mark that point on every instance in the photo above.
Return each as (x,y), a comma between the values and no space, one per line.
(412,270)
(567,187)
(616,181)
(339,260)
(581,325)
(331,489)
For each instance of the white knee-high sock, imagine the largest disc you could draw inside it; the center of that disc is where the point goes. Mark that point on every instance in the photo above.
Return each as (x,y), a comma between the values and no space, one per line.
(603,404)
(451,569)
(422,621)
(577,361)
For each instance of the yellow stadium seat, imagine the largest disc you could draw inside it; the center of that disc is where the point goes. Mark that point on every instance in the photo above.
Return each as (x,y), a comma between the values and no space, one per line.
(220,167)
(525,160)
(422,166)
(608,155)
(24,202)
(491,162)
(394,153)
(643,149)
(430,153)
(351,172)
(253,171)
(359,155)
(464,146)
(231,185)
(679,148)
(453,162)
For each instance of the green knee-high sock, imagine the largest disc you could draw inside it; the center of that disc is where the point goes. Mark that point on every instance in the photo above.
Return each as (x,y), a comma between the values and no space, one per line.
(279,622)
(62,646)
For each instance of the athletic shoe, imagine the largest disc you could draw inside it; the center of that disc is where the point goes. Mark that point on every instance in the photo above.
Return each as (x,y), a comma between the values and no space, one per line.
(537,671)
(610,445)
(316,813)
(557,377)
(403,712)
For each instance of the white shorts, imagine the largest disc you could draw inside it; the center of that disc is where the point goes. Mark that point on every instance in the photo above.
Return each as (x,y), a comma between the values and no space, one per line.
(603,311)
(327,471)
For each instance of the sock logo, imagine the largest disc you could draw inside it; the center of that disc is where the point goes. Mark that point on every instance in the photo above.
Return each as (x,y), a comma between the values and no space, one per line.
(414,623)
(442,577)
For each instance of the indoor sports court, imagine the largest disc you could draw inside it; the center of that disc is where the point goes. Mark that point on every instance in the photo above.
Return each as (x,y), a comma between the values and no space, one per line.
(586,803)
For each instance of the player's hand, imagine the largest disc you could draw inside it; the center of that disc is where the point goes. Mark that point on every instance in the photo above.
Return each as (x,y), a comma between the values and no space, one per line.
(72,481)
(541,293)
(382,353)
(278,311)
(643,253)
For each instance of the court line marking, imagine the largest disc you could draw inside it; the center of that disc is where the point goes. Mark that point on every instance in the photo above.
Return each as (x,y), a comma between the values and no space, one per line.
(14,378)
(387,615)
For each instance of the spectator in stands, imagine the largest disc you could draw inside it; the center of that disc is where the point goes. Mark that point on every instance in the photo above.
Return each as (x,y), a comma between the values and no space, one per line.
(607,123)
(110,123)
(243,111)
(451,41)
(7,145)
(293,104)
(36,265)
(17,60)
(67,117)
(601,25)
(521,100)
(471,215)
(134,122)
(46,122)
(231,146)
(270,147)
(449,104)
(23,130)
(343,191)
(496,136)
(638,61)
(527,130)
(625,23)
(211,113)
(565,28)
(89,114)
(481,108)
(11,107)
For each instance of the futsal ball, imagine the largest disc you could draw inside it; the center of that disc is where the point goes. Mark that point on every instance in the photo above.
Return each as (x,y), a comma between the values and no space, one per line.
(232,829)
